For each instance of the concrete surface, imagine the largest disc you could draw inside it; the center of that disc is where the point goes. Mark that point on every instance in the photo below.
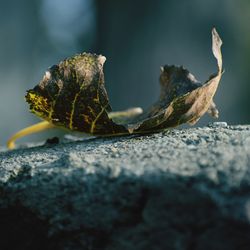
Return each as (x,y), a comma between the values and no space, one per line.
(179,189)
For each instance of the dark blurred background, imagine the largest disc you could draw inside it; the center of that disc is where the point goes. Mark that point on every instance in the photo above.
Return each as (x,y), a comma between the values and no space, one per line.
(137,37)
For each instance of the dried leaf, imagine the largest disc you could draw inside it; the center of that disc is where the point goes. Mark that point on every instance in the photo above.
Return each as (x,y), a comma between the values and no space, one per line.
(183,99)
(72,95)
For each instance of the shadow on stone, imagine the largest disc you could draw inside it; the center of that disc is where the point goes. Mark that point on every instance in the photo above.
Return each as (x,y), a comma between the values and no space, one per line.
(71,209)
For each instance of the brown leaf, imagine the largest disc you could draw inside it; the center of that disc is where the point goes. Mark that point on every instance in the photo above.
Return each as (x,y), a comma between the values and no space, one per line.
(183,99)
(72,95)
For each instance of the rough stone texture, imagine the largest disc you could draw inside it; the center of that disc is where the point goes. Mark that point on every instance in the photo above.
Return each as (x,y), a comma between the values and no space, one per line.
(181,189)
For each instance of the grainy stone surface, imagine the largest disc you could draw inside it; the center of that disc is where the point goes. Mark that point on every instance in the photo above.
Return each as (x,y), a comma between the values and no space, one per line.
(181,189)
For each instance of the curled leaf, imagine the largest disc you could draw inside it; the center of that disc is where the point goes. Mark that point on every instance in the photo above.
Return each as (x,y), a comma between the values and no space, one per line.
(72,95)
(183,99)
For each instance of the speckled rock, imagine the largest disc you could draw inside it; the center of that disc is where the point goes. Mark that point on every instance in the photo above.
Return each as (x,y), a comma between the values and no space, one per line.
(179,189)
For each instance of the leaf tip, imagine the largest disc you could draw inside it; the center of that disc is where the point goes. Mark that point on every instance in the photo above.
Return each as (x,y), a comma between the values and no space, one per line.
(216,37)
(101,59)
(216,48)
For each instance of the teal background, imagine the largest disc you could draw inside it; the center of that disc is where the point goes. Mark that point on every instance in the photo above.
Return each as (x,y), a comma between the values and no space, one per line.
(137,37)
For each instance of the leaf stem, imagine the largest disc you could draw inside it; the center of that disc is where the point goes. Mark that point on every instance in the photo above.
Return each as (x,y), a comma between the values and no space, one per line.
(41,126)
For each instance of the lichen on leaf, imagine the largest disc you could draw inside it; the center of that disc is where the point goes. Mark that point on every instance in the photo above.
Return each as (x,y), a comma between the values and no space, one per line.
(75,96)
(72,95)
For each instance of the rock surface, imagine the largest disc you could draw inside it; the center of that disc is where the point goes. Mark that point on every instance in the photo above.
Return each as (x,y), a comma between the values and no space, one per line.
(180,189)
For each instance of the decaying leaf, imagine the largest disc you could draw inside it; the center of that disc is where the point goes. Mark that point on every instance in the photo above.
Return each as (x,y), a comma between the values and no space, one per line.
(72,95)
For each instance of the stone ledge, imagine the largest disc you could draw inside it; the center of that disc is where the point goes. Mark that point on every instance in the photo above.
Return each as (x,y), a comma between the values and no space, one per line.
(181,189)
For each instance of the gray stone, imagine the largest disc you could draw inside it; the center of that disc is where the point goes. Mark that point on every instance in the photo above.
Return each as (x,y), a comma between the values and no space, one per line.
(179,189)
